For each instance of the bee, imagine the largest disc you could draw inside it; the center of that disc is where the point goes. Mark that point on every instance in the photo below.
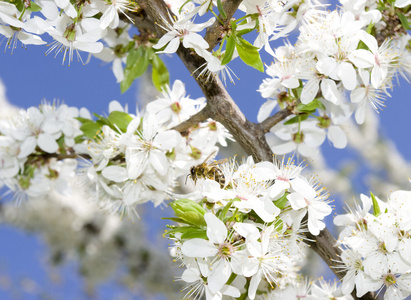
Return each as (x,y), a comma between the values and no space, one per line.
(208,170)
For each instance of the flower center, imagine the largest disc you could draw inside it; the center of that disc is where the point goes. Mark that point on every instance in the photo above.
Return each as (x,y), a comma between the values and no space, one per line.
(389,279)
(225,250)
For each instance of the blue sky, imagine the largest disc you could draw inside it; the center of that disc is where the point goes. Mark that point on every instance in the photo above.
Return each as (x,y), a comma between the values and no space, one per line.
(30,77)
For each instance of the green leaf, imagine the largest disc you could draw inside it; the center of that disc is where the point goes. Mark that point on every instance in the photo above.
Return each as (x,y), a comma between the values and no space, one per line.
(221,9)
(136,67)
(82,120)
(377,210)
(280,203)
(249,54)
(189,211)
(297,119)
(369,28)
(33,7)
(278,224)
(194,233)
(193,218)
(187,205)
(159,75)
(132,56)
(90,129)
(177,220)
(404,20)
(79,139)
(19,4)
(310,107)
(176,230)
(229,50)
(102,120)
(225,210)
(121,119)
(233,25)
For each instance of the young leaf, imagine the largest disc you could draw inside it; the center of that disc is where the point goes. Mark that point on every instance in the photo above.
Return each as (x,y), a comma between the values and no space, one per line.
(377,210)
(194,233)
(159,75)
(221,9)
(90,129)
(121,119)
(296,119)
(229,50)
(224,211)
(136,69)
(193,218)
(404,20)
(310,107)
(280,203)
(249,54)
(33,7)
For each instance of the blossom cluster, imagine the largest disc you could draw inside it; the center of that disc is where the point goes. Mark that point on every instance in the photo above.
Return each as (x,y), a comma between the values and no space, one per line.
(31,141)
(248,225)
(338,67)
(377,247)
(348,53)
(124,159)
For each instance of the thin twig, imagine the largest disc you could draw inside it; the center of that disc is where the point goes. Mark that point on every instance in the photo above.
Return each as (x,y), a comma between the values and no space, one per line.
(213,32)
(268,123)
(201,116)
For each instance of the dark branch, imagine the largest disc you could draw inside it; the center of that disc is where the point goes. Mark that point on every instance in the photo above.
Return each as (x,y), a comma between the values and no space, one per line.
(268,123)
(213,33)
(201,116)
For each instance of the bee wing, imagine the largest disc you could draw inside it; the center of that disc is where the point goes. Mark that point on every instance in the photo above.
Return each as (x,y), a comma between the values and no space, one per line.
(219,162)
(208,157)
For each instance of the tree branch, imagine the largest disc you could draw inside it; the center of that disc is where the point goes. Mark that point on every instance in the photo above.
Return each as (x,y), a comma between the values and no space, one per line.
(268,123)
(213,33)
(201,116)
(250,136)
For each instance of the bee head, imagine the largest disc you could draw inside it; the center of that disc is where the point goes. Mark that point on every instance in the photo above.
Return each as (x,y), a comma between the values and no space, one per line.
(193,171)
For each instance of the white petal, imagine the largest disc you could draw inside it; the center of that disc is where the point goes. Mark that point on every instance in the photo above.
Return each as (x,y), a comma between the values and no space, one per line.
(167,140)
(266,109)
(310,90)
(245,229)
(220,273)
(194,40)
(337,136)
(136,163)
(198,248)
(327,66)
(404,248)
(358,95)
(216,230)
(27,147)
(255,281)
(47,143)
(165,39)
(297,201)
(348,76)
(362,58)
(159,162)
(303,187)
(115,173)
(329,90)
(172,46)
(191,275)
(92,47)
